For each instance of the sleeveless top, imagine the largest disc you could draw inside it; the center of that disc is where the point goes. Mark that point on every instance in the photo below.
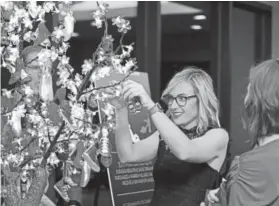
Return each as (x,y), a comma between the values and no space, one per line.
(180,183)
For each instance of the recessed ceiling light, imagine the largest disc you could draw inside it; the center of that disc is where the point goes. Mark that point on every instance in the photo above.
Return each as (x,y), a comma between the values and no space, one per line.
(75,34)
(196,27)
(200,17)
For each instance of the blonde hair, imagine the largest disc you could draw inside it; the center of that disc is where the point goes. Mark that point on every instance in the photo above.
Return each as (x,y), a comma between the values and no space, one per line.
(208,115)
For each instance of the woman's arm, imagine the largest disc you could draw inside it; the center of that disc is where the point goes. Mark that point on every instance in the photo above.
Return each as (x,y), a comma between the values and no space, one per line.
(200,149)
(128,151)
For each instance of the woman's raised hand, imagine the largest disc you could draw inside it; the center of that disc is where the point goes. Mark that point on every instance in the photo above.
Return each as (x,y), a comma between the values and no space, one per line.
(117,101)
(132,89)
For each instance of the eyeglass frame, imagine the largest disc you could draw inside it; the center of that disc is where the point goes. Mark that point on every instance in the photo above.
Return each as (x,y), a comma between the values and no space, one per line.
(175,98)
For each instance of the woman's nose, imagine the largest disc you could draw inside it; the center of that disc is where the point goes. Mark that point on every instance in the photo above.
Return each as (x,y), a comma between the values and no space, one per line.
(173,105)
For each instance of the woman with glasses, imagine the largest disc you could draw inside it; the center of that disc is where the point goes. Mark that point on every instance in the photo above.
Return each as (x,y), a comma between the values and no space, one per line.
(189,144)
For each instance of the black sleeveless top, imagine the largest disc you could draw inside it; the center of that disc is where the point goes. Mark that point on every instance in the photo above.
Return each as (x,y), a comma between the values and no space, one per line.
(180,183)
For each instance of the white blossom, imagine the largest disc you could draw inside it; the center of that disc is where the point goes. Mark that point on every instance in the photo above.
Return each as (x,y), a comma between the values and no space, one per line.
(64,60)
(44,56)
(104,71)
(20,12)
(45,43)
(53,159)
(27,23)
(14,39)
(70,84)
(27,90)
(78,79)
(77,111)
(87,66)
(63,48)
(48,7)
(58,32)
(7,93)
(69,22)
(33,9)
(41,16)
(122,24)
(103,8)
(10,67)
(7,5)
(53,54)
(128,66)
(28,36)
(13,54)
(97,22)
(1,50)
(23,74)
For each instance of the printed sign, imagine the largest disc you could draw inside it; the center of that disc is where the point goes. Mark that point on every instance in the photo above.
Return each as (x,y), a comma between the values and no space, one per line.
(131,184)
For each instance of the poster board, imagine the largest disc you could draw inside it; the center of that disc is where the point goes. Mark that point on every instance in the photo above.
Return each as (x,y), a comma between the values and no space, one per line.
(131,184)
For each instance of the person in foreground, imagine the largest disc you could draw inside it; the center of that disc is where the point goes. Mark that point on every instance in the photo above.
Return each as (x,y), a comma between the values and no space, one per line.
(189,144)
(253,177)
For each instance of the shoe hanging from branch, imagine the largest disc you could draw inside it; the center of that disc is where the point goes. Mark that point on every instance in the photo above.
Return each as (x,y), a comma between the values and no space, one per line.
(43,129)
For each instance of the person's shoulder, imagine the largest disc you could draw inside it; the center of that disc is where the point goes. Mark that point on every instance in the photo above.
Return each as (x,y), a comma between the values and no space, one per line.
(250,180)
(253,165)
(220,134)
(261,154)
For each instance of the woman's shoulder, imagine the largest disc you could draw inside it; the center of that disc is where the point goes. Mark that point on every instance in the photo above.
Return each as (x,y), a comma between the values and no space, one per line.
(218,133)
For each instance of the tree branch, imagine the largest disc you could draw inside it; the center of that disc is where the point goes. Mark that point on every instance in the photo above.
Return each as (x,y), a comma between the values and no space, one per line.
(109,86)
(48,152)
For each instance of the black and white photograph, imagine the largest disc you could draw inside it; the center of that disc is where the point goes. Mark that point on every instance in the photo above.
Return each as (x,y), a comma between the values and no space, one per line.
(139,103)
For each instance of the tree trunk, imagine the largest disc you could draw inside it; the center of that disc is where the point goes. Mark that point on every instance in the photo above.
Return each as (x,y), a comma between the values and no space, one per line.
(34,194)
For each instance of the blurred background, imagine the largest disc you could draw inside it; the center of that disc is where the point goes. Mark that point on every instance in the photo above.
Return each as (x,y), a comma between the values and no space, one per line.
(224,38)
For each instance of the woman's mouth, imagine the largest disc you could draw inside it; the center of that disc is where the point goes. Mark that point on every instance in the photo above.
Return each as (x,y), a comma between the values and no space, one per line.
(176,114)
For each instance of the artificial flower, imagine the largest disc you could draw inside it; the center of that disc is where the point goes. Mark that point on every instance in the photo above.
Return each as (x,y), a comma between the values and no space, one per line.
(7,93)
(87,66)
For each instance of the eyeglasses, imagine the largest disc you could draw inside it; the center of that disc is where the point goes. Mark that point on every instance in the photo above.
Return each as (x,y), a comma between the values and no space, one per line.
(181,99)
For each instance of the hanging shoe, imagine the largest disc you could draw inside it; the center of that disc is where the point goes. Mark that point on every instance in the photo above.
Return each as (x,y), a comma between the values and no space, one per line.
(85,174)
(68,180)
(62,189)
(78,158)
(90,156)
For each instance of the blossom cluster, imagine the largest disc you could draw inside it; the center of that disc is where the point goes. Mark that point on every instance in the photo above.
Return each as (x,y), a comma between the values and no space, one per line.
(23,23)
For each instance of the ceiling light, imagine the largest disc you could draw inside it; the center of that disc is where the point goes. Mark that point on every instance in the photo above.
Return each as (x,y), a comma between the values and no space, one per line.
(200,17)
(196,27)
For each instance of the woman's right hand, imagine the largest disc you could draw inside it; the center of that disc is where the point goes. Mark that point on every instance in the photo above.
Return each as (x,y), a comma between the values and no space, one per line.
(117,102)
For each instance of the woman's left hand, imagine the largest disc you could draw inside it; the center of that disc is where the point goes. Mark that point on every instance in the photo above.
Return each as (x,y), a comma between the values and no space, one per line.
(133,89)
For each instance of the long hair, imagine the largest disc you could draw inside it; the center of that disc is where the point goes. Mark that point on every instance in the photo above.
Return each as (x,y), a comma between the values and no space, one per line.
(208,115)
(261,106)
